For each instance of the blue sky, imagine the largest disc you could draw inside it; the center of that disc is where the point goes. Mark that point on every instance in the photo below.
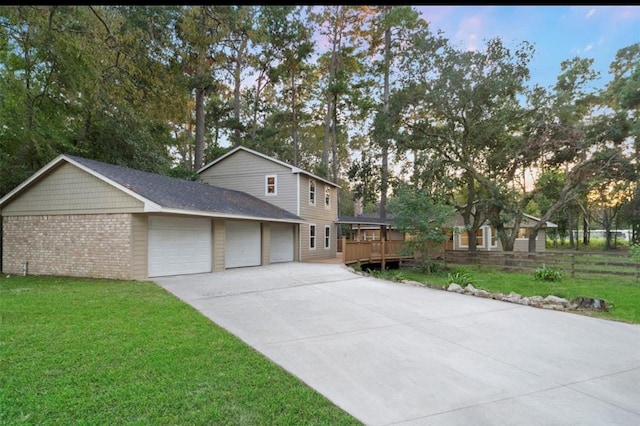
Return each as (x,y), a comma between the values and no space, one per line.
(558,32)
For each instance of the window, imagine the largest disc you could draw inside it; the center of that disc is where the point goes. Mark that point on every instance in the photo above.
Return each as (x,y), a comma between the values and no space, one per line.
(494,237)
(312,237)
(327,196)
(464,238)
(327,237)
(271,185)
(524,232)
(312,192)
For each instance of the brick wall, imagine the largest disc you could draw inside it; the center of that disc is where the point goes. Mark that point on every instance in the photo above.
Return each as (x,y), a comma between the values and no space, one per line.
(97,245)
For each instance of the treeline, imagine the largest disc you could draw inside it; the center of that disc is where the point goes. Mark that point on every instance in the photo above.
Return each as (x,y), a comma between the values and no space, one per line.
(367,96)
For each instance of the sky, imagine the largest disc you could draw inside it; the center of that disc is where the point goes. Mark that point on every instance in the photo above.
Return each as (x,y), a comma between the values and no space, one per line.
(558,32)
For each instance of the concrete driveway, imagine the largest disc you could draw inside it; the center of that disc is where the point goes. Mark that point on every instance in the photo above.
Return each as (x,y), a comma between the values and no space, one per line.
(391,353)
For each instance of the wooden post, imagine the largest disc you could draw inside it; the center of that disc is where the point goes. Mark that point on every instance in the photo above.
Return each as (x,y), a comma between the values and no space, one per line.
(382,249)
(344,249)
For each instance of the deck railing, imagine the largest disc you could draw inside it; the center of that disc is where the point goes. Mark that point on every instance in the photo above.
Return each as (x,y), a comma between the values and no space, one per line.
(377,251)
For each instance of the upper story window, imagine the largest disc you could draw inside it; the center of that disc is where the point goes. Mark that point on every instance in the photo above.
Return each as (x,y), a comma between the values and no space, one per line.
(271,185)
(312,192)
(327,196)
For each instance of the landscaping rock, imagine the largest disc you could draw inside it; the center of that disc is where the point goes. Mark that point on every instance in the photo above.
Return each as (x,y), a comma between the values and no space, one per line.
(482,293)
(455,288)
(555,300)
(590,303)
(469,289)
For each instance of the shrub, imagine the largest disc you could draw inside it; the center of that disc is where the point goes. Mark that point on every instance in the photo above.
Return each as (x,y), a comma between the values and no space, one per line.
(462,278)
(544,273)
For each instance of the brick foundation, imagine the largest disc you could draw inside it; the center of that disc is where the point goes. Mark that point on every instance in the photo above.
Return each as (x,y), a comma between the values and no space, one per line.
(96,245)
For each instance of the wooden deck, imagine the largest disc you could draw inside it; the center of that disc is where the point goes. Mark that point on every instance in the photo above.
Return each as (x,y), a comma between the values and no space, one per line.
(379,251)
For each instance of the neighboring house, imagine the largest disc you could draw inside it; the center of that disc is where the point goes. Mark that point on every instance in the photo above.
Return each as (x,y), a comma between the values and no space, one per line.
(79,217)
(366,227)
(487,236)
(303,194)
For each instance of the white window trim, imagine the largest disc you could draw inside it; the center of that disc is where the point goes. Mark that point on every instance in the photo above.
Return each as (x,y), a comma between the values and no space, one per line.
(327,241)
(315,237)
(487,230)
(484,236)
(327,189)
(266,185)
(315,192)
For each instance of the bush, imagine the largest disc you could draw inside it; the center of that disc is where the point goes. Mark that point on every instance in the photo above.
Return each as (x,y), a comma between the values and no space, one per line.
(462,278)
(544,273)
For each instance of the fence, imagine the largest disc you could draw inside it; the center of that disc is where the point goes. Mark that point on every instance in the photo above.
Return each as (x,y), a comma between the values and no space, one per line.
(574,263)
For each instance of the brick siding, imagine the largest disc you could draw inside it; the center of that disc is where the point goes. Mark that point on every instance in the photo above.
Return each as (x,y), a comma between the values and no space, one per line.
(95,245)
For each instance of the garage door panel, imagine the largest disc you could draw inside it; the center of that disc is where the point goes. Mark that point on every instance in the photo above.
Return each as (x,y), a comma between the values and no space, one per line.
(281,248)
(179,246)
(243,245)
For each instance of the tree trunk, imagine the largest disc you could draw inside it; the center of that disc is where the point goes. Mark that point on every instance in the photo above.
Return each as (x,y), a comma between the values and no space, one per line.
(294,133)
(384,184)
(199,155)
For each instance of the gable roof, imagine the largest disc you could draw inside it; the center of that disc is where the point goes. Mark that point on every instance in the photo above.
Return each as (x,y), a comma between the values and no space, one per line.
(294,169)
(168,195)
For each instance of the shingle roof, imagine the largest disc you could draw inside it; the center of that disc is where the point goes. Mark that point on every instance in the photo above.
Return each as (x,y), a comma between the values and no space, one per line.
(174,193)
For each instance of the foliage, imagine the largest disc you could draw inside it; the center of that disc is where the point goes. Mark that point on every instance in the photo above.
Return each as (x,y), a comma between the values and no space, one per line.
(460,277)
(544,273)
(122,352)
(634,250)
(422,219)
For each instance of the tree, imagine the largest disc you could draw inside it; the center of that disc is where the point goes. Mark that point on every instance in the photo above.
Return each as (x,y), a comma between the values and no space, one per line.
(460,111)
(423,219)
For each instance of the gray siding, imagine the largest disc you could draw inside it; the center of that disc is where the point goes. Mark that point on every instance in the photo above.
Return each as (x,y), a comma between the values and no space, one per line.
(69,190)
(247,172)
(321,217)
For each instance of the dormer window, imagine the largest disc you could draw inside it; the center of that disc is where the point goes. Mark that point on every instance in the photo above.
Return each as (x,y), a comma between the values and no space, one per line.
(271,185)
(312,192)
(327,196)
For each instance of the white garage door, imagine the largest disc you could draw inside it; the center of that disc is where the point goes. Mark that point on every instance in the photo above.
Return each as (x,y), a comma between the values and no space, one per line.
(281,248)
(242,244)
(179,246)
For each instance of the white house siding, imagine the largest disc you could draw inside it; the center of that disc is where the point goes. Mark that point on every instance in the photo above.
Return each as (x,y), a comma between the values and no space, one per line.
(246,172)
(93,245)
(321,217)
(70,190)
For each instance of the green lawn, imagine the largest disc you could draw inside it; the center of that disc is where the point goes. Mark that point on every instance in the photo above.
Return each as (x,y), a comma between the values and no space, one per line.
(622,293)
(98,352)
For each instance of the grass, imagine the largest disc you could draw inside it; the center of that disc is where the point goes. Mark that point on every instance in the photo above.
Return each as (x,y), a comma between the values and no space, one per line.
(623,295)
(94,352)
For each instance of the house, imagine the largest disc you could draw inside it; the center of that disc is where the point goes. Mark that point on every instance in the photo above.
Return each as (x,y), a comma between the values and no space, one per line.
(487,236)
(79,217)
(300,193)
(366,227)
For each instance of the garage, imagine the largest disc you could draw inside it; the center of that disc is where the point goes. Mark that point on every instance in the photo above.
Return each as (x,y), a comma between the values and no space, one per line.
(281,248)
(179,245)
(242,244)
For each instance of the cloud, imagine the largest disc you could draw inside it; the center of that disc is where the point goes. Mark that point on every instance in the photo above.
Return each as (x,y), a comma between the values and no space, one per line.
(588,48)
(468,31)
(590,13)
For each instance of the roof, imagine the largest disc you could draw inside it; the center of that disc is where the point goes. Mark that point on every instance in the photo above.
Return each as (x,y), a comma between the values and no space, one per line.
(293,169)
(364,220)
(169,195)
(537,219)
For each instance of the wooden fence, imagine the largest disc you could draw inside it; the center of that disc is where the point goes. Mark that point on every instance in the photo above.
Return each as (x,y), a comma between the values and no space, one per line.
(573,263)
